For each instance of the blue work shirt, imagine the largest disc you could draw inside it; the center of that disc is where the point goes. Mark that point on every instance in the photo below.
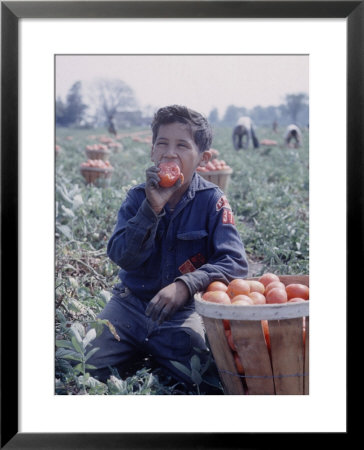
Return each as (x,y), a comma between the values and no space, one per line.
(197,242)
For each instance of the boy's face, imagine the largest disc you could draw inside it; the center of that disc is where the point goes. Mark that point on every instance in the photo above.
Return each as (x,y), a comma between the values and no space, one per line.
(175,143)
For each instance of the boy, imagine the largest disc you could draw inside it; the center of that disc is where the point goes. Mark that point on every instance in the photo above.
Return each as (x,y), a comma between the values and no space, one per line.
(169,243)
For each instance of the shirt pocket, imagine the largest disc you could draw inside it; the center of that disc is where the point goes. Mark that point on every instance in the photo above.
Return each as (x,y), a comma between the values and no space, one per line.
(190,243)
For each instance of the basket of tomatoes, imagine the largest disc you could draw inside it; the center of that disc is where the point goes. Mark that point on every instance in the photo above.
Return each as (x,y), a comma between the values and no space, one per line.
(97,151)
(258,331)
(216,171)
(97,172)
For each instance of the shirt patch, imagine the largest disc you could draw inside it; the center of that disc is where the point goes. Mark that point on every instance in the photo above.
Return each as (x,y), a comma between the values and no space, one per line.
(222,203)
(228,217)
(192,264)
(187,267)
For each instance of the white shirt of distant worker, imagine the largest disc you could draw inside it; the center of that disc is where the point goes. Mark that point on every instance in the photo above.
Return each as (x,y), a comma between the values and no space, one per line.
(293,132)
(244,128)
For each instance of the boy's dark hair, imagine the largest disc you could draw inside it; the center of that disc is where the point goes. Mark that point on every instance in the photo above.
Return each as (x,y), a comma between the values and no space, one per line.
(200,127)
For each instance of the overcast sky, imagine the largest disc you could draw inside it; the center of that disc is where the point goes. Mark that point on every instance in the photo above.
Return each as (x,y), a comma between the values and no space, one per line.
(201,82)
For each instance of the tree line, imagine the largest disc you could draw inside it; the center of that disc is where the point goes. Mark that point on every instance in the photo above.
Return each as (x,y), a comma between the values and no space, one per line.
(295,109)
(112,103)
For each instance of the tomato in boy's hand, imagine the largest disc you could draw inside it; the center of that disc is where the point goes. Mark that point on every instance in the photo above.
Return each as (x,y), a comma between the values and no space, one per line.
(169,174)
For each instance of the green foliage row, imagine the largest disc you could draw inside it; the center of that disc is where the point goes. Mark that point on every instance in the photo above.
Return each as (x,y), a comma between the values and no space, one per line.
(269,194)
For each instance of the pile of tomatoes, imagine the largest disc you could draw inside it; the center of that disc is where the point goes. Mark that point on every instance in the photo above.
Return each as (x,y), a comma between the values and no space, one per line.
(213,165)
(267,289)
(105,140)
(96,163)
(268,142)
(98,147)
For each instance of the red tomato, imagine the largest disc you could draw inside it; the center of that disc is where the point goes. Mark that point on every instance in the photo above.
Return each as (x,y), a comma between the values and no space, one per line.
(297,290)
(217,286)
(169,174)
(217,297)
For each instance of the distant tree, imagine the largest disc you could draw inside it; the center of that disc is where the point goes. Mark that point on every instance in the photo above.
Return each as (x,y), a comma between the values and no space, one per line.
(264,115)
(283,113)
(75,108)
(72,111)
(113,96)
(295,103)
(233,113)
(257,114)
(214,116)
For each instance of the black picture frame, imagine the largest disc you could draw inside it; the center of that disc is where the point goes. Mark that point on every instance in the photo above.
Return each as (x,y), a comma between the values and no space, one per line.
(11,13)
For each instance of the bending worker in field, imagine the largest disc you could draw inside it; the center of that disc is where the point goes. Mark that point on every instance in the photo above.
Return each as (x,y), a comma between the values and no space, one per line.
(170,242)
(244,132)
(293,132)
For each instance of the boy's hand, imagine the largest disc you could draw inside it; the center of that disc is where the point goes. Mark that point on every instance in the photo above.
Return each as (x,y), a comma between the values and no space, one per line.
(158,196)
(168,301)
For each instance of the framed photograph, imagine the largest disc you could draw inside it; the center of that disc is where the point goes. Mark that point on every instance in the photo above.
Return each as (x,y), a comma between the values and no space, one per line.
(330,35)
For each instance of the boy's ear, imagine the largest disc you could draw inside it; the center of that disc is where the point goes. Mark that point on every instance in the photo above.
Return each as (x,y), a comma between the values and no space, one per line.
(205,158)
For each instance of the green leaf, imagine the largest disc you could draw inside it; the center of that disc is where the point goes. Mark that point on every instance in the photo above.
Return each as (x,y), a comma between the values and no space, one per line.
(63,353)
(196,377)
(64,229)
(68,212)
(63,343)
(60,316)
(182,368)
(105,295)
(68,267)
(86,377)
(78,368)
(76,345)
(90,336)
(77,201)
(195,363)
(73,282)
(91,352)
(72,356)
(90,366)
(99,327)
(116,386)
(78,331)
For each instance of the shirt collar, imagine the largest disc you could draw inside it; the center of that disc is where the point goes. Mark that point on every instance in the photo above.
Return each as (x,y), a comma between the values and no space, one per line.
(198,183)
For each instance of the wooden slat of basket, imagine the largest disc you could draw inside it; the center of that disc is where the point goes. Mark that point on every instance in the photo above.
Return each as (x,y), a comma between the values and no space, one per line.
(307,358)
(223,356)
(219,177)
(252,350)
(286,339)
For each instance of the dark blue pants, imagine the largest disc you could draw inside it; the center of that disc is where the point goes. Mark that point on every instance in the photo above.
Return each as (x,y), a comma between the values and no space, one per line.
(173,340)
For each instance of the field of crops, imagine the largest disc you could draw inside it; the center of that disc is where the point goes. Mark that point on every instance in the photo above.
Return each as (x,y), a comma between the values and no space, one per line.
(269,195)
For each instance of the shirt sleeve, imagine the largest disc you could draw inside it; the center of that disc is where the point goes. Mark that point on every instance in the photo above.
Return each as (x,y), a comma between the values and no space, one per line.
(227,259)
(133,238)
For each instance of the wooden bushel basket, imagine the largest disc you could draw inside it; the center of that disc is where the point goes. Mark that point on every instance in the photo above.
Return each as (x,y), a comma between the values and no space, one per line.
(281,370)
(220,177)
(97,176)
